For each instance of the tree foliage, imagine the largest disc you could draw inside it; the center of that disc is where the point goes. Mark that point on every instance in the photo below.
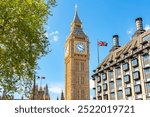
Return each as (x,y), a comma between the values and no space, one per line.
(22,41)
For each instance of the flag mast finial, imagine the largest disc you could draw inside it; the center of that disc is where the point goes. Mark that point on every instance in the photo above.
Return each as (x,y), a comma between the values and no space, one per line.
(76,7)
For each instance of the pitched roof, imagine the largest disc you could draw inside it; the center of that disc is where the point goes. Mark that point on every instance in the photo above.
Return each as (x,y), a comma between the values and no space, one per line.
(76,18)
(121,51)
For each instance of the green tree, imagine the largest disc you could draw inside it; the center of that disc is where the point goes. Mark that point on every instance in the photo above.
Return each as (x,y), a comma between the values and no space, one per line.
(22,41)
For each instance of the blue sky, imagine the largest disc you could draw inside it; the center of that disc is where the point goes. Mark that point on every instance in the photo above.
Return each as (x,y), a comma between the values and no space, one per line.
(101,20)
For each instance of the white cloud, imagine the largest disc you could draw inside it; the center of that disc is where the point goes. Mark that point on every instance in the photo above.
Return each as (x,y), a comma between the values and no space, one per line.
(91,83)
(147,27)
(54,33)
(130,32)
(56,88)
(54,36)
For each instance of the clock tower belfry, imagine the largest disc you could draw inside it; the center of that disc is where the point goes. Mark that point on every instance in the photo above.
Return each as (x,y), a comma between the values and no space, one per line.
(77,63)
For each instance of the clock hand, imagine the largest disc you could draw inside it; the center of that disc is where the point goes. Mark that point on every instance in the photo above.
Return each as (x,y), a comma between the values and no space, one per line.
(80,47)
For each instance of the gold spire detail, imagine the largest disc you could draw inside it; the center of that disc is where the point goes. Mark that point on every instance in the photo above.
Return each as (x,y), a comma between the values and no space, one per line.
(76,19)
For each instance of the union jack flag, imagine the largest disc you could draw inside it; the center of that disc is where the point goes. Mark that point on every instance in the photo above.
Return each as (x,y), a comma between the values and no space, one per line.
(102,43)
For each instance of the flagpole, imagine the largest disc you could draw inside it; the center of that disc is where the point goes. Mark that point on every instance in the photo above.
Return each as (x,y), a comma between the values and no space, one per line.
(97,52)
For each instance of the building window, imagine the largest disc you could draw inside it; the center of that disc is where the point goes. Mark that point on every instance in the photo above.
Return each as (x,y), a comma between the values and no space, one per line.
(146,38)
(111,75)
(94,77)
(77,66)
(111,86)
(105,87)
(98,79)
(128,91)
(135,49)
(112,96)
(125,66)
(104,76)
(136,75)
(82,80)
(82,93)
(99,97)
(146,60)
(126,54)
(118,73)
(105,97)
(119,84)
(77,94)
(148,89)
(134,62)
(147,74)
(127,79)
(81,67)
(105,66)
(145,57)
(110,62)
(120,95)
(137,89)
(99,89)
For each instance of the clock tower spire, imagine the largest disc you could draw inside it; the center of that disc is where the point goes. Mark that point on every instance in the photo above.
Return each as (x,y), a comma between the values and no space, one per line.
(77,62)
(76,20)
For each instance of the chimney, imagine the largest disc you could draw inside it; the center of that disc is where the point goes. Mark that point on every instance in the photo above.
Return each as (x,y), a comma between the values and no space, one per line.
(116,40)
(139,24)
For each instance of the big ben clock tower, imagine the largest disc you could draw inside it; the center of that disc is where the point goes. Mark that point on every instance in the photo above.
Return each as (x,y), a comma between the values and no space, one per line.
(77,63)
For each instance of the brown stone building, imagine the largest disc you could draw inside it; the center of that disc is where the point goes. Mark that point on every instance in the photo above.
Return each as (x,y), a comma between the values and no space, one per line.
(77,63)
(40,93)
(125,72)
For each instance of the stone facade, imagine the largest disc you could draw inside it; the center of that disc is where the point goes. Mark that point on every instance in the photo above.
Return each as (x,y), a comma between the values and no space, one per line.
(125,72)
(40,93)
(77,63)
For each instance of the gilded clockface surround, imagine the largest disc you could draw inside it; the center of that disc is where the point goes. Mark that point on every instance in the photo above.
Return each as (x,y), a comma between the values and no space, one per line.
(80,47)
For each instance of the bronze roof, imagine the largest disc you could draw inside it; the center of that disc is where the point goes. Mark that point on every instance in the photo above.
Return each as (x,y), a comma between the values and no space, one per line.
(121,51)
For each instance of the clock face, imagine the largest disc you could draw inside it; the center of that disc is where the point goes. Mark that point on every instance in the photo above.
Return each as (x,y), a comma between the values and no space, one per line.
(80,47)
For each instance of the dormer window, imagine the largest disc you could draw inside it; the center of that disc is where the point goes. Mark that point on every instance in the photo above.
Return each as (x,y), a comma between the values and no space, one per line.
(146,38)
(111,75)
(137,89)
(127,79)
(105,87)
(105,65)
(136,75)
(147,74)
(128,91)
(134,62)
(93,77)
(126,54)
(99,89)
(118,72)
(110,62)
(144,43)
(98,79)
(104,76)
(105,97)
(125,66)
(134,49)
(117,58)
